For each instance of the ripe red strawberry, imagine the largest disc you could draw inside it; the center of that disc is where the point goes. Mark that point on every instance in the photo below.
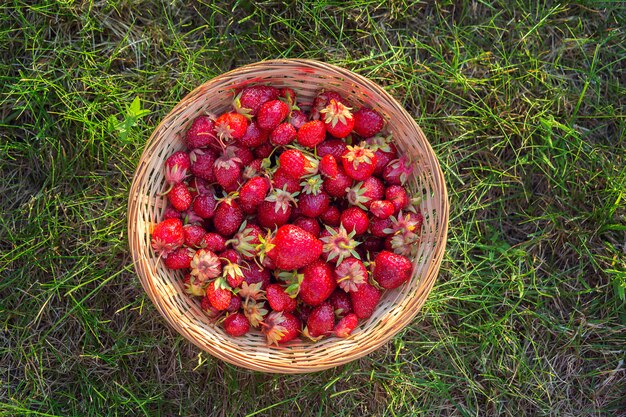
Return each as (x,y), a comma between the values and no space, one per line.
(228,217)
(311,133)
(171,213)
(295,164)
(201,133)
(253,192)
(219,294)
(355,219)
(179,259)
(263,151)
(205,265)
(340,301)
(318,283)
(202,161)
(246,240)
(334,147)
(235,304)
(294,248)
(338,119)
(271,114)
(168,236)
(230,255)
(331,217)
(254,136)
(250,99)
(358,162)
(276,209)
(367,122)
(336,187)
(364,300)
(398,196)
(382,208)
(230,126)
(176,167)
(398,171)
(328,166)
(297,118)
(278,299)
(180,197)
(365,192)
(233,274)
(214,242)
(380,227)
(372,244)
(199,186)
(308,224)
(312,205)
(384,150)
(193,235)
(204,206)
(283,181)
(254,169)
(288,96)
(350,273)
(209,310)
(321,321)
(254,274)
(391,270)
(236,324)
(284,134)
(280,327)
(227,168)
(322,100)
(346,325)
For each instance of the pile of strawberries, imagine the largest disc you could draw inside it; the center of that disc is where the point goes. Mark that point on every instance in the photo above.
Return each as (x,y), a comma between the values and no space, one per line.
(288,221)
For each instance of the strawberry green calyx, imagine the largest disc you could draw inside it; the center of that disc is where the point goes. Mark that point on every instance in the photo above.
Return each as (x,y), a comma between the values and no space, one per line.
(358,155)
(336,112)
(232,271)
(251,291)
(244,111)
(229,159)
(265,246)
(401,167)
(404,223)
(242,241)
(350,274)
(340,244)
(312,185)
(293,280)
(282,199)
(356,195)
(205,265)
(405,244)
(378,143)
(273,328)
(255,312)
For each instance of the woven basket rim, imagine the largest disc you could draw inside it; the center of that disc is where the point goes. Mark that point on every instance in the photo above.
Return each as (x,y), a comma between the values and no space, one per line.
(250,354)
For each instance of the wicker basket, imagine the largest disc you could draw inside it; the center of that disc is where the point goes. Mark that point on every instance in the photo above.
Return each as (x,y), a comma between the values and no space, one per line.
(397,307)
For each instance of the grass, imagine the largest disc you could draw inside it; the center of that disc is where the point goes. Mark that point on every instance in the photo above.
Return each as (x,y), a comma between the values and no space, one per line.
(524,104)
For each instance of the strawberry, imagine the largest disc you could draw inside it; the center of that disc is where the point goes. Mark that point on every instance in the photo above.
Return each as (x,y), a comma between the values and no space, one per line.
(280,327)
(332,216)
(204,206)
(282,180)
(391,270)
(193,286)
(364,193)
(228,217)
(246,240)
(308,224)
(322,100)
(367,122)
(271,114)
(254,169)
(253,192)
(398,196)
(312,205)
(199,186)
(297,118)
(230,126)
(254,136)
(283,134)
(250,99)
(318,283)
(193,235)
(213,242)
(346,325)
(287,95)
(230,255)
(278,299)
(321,321)
(398,171)
(179,259)
(202,161)
(338,244)
(205,265)
(336,187)
(180,197)
(328,166)
(209,310)
(311,134)
(176,167)
(236,324)
(255,274)
(263,151)
(364,300)
(372,244)
(340,300)
(382,208)
(167,236)
(233,274)
(294,247)
(350,273)
(355,219)
(334,147)
(358,162)
(276,208)
(219,294)
(255,312)
(380,227)
(338,119)
(227,168)
(295,164)
(201,133)
(171,213)
(384,150)
(235,304)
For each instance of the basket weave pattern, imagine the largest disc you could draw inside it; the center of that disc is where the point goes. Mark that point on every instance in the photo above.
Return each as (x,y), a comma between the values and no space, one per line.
(397,307)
